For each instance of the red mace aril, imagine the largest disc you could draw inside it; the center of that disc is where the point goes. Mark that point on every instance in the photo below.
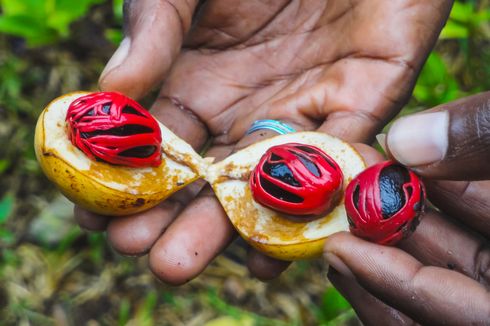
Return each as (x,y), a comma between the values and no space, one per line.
(113,128)
(298,180)
(384,202)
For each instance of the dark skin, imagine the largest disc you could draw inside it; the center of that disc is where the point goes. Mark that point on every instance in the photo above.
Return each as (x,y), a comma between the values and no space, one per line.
(341,67)
(441,274)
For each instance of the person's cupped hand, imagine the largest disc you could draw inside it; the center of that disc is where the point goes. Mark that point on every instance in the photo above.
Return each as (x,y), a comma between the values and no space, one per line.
(340,67)
(441,274)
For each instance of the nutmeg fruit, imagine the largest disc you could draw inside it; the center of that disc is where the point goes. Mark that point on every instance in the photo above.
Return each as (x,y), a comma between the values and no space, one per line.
(113,128)
(95,183)
(384,203)
(297,179)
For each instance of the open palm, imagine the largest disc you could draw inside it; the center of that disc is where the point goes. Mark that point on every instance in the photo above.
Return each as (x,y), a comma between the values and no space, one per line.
(341,67)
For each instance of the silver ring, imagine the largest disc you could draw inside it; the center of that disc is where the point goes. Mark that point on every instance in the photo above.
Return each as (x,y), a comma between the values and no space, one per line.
(280,127)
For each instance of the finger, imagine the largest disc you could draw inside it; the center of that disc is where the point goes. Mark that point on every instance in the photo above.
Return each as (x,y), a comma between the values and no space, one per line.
(369,309)
(181,120)
(90,221)
(262,134)
(440,242)
(469,202)
(263,267)
(430,295)
(154,33)
(134,235)
(200,232)
(451,141)
(175,258)
(352,126)
(369,154)
(243,21)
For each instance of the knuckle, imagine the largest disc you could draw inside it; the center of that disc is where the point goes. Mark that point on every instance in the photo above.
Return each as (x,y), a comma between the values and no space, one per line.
(482,265)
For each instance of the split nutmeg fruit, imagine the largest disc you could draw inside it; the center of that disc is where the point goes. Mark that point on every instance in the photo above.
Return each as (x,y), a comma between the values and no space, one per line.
(98,184)
(284,195)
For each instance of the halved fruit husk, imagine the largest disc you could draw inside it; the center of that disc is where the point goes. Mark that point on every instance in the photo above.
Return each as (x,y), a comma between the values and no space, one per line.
(104,188)
(270,231)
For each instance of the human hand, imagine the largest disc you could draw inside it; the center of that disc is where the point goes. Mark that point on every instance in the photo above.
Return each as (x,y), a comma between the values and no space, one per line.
(441,274)
(340,67)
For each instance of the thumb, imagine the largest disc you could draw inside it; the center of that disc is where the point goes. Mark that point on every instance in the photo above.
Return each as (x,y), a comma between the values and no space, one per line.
(154,33)
(451,141)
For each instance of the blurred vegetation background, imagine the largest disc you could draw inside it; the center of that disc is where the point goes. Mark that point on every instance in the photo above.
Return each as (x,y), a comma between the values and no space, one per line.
(52,273)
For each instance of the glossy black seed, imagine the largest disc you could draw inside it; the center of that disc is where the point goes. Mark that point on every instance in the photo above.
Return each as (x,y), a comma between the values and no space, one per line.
(309,165)
(329,162)
(118,131)
(106,108)
(391,182)
(139,151)
(279,193)
(355,197)
(130,110)
(307,149)
(275,158)
(313,151)
(409,190)
(282,172)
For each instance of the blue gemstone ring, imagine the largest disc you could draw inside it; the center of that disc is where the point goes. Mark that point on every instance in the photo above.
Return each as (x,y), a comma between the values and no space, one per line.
(280,127)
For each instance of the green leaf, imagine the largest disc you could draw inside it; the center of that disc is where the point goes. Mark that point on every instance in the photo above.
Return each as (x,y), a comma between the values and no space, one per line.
(6,207)
(334,304)
(462,12)
(60,21)
(20,25)
(15,7)
(117,8)
(483,16)
(9,257)
(114,35)
(4,164)
(6,237)
(41,22)
(435,84)
(144,313)
(454,30)
(27,27)
(124,312)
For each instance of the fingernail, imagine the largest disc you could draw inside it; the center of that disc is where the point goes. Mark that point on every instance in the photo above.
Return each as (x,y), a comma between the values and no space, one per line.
(419,139)
(337,263)
(381,138)
(117,58)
